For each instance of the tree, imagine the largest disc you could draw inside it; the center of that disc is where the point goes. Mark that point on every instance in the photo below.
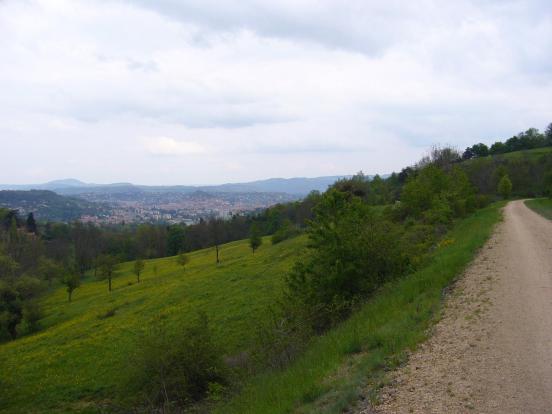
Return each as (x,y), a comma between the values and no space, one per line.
(107,268)
(217,235)
(468,154)
(548,134)
(71,280)
(352,251)
(505,186)
(139,266)
(480,150)
(498,148)
(176,237)
(31,224)
(255,239)
(182,259)
(48,269)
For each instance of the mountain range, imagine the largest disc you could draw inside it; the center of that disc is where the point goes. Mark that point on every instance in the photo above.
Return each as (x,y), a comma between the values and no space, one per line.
(295,186)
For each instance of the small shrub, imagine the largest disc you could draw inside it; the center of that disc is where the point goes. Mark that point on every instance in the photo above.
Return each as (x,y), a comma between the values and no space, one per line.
(31,316)
(108,314)
(176,370)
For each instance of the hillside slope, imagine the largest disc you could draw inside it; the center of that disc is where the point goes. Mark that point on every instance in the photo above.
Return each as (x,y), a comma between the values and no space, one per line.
(79,357)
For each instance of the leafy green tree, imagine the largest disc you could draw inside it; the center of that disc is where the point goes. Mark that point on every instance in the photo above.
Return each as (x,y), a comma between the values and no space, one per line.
(11,311)
(107,268)
(48,269)
(182,259)
(8,266)
(71,281)
(255,239)
(176,238)
(480,150)
(138,267)
(352,251)
(505,186)
(498,148)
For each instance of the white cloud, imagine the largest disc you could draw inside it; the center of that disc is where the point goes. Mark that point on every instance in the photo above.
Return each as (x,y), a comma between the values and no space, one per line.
(170,146)
(294,87)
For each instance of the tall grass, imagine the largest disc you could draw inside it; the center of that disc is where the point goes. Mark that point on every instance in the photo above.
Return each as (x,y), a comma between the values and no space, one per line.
(352,357)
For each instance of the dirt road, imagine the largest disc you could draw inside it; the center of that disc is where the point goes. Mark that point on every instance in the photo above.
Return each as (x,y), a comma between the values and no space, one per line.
(492,350)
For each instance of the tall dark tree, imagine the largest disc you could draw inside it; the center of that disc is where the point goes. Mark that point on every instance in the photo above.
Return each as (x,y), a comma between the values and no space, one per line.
(548,134)
(31,224)
(255,239)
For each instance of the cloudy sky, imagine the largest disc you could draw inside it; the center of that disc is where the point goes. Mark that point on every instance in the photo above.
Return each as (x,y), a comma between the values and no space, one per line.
(212,91)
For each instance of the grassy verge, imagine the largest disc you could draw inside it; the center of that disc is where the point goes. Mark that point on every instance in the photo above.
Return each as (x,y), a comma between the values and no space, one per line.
(542,206)
(353,357)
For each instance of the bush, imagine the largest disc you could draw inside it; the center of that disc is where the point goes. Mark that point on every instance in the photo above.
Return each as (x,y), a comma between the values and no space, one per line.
(352,251)
(31,316)
(286,231)
(176,370)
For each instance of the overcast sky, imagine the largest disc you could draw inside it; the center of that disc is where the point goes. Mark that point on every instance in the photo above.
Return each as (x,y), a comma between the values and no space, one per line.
(213,91)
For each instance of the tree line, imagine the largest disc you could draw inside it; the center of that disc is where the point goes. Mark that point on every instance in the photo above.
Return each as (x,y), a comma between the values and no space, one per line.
(530,139)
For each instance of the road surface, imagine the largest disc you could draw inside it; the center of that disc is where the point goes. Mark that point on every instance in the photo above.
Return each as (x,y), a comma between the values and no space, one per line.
(491,352)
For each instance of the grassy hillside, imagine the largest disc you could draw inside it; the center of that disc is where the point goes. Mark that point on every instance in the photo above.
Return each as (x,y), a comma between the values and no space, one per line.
(353,357)
(79,356)
(530,172)
(543,206)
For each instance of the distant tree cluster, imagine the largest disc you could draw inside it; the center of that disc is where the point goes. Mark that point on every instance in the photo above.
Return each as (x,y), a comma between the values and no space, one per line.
(530,139)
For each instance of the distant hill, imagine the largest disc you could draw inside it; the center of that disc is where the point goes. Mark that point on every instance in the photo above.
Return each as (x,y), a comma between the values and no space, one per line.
(295,186)
(49,206)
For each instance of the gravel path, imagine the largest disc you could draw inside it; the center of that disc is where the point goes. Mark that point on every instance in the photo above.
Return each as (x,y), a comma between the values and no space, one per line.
(492,350)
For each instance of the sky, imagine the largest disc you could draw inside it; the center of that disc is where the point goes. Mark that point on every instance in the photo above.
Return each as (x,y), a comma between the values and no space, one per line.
(214,91)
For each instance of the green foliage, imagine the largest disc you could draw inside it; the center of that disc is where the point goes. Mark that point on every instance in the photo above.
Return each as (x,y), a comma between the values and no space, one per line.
(505,187)
(107,264)
(327,376)
(11,311)
(437,196)
(138,268)
(187,368)
(182,259)
(176,239)
(286,231)
(352,252)
(255,239)
(71,281)
(48,269)
(32,313)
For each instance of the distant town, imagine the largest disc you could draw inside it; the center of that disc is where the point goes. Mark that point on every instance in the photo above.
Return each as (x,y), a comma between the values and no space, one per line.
(172,208)
(73,200)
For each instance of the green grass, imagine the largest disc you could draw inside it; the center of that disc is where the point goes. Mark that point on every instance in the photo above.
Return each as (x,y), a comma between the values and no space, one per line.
(527,153)
(79,356)
(329,376)
(542,206)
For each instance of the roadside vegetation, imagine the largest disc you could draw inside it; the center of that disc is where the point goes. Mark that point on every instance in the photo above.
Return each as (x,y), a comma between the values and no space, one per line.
(351,359)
